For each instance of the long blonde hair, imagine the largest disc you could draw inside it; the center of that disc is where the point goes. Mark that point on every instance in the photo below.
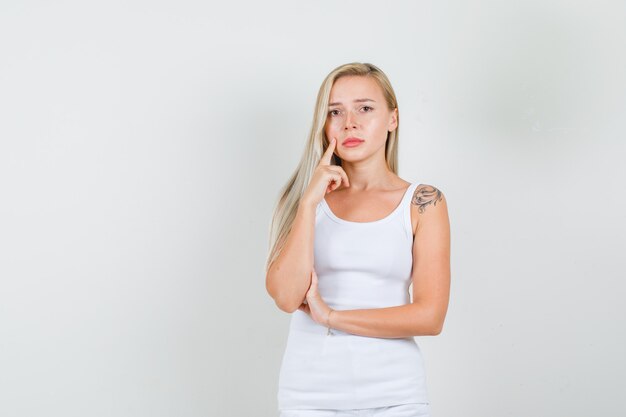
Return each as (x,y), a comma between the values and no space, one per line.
(287,205)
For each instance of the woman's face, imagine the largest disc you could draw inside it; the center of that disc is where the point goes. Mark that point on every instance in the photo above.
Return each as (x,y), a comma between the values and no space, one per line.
(357,109)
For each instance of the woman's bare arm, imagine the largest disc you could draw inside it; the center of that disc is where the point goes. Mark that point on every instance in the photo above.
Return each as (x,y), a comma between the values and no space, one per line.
(289,276)
(430,275)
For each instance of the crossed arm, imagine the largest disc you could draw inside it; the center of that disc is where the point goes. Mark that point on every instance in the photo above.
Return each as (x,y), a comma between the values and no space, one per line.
(391,322)
(430,276)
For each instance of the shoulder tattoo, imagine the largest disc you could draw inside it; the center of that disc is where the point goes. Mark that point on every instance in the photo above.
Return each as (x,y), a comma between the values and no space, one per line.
(425,195)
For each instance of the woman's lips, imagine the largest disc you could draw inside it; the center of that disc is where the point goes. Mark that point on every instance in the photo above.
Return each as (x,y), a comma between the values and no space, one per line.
(352,142)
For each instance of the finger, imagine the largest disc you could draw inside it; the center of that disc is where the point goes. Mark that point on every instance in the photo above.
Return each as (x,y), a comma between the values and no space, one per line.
(325,160)
(336,180)
(339,170)
(345,177)
(333,181)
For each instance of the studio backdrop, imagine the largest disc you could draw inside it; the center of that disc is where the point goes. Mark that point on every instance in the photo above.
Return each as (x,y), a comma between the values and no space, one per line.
(143,145)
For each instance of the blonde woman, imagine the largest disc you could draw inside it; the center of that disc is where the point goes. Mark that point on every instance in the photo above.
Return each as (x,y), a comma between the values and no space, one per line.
(348,237)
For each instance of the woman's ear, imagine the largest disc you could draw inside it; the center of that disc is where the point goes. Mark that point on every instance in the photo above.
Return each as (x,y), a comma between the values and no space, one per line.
(393,123)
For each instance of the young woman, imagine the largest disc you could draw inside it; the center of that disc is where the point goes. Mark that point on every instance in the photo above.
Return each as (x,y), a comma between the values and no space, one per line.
(348,238)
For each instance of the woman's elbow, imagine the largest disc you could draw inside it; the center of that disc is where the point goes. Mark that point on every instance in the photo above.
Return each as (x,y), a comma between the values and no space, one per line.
(282,302)
(284,299)
(286,306)
(437,327)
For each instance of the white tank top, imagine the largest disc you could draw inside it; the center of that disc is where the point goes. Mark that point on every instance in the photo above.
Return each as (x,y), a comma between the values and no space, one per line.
(359,265)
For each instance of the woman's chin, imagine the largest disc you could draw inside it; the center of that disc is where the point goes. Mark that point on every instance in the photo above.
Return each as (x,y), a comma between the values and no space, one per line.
(352,157)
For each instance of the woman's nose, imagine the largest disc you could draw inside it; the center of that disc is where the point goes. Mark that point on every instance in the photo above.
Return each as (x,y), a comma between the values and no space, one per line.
(350,120)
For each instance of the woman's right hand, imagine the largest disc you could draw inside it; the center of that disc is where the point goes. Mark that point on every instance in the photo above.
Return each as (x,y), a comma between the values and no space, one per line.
(326,178)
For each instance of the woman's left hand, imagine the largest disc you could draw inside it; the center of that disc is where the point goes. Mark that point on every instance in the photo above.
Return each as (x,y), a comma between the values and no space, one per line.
(314,305)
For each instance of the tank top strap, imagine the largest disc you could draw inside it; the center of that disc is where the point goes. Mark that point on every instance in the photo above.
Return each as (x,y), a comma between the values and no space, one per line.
(406,200)
(406,211)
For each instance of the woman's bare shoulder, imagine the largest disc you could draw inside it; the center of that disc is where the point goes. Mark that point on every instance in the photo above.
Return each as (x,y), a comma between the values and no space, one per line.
(427,201)
(426,195)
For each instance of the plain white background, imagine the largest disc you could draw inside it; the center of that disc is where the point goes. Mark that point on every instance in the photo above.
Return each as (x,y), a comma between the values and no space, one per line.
(143,144)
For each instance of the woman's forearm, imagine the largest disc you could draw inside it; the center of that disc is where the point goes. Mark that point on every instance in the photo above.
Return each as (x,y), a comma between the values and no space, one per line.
(391,322)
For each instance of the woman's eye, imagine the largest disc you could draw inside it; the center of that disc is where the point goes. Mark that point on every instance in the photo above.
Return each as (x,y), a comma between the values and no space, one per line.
(332,112)
(366,107)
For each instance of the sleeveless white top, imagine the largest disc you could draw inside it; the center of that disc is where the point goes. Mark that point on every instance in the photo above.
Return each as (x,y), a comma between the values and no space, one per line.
(360,265)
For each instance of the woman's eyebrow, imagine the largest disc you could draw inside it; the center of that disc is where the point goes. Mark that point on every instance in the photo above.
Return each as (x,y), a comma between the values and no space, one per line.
(358,100)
